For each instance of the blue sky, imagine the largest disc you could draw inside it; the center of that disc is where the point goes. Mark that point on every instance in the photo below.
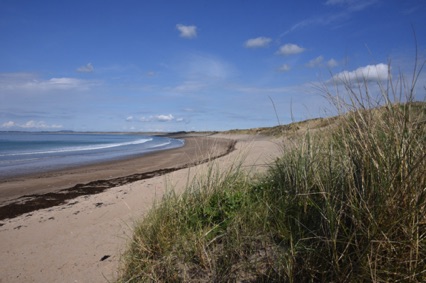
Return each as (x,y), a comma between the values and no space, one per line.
(157,65)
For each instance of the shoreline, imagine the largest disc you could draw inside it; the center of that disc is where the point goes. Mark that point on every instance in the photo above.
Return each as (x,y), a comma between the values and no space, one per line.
(34,173)
(83,240)
(77,157)
(28,193)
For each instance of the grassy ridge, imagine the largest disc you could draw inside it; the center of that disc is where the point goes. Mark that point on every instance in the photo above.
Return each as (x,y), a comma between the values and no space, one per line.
(345,204)
(288,130)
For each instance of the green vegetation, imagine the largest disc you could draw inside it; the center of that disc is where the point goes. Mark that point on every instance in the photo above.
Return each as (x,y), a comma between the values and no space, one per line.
(343,204)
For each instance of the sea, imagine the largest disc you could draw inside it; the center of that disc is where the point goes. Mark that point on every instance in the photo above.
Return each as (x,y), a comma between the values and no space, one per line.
(23,153)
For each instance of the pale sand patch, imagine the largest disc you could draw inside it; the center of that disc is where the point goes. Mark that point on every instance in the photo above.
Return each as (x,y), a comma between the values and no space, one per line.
(82,241)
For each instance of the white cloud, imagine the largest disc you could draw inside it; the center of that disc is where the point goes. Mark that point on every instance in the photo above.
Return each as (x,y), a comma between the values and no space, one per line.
(37,125)
(284,68)
(332,63)
(130,118)
(368,73)
(164,118)
(257,42)
(158,118)
(290,49)
(315,62)
(187,31)
(8,124)
(86,69)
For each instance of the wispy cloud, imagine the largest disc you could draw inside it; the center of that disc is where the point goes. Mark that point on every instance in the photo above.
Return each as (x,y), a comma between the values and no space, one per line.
(347,7)
(206,67)
(8,124)
(269,90)
(60,83)
(31,82)
(320,62)
(315,62)
(290,49)
(35,125)
(155,118)
(352,5)
(189,86)
(257,42)
(332,63)
(187,31)
(335,2)
(284,68)
(86,68)
(201,71)
(151,74)
(322,20)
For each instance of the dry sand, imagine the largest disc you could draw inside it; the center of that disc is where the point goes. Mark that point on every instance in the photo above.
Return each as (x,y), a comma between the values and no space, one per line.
(81,240)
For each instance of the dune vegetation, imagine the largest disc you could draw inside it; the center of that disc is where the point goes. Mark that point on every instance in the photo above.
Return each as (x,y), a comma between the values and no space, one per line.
(346,202)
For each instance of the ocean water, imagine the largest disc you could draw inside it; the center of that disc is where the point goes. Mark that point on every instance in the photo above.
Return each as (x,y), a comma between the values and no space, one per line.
(27,152)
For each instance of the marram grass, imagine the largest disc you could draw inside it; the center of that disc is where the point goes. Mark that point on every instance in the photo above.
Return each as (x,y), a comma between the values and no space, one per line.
(346,204)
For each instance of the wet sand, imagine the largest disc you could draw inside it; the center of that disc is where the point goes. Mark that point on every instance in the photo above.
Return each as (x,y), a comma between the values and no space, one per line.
(83,238)
(32,192)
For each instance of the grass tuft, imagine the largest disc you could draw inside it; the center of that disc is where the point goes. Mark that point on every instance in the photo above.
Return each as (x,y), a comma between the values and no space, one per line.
(343,204)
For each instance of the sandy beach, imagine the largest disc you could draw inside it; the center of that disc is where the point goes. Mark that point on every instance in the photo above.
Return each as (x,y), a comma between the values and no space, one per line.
(73,225)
